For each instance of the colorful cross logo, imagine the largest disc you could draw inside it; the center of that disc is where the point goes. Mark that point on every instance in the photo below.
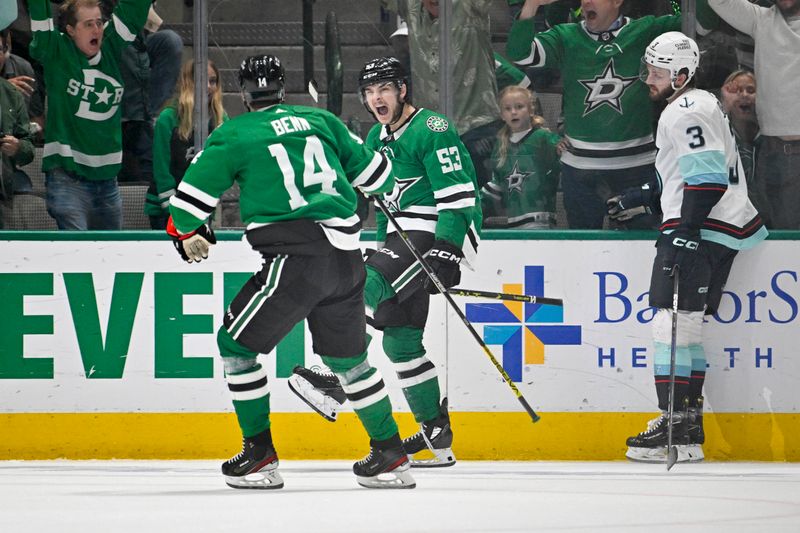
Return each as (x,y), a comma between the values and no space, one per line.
(531,329)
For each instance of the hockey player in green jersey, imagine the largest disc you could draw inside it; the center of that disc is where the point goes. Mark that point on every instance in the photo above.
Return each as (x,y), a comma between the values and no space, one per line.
(436,203)
(522,193)
(297,169)
(608,116)
(83,135)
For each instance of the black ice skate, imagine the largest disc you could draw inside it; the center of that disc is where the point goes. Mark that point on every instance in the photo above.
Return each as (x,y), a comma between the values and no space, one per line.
(650,446)
(386,466)
(435,436)
(321,391)
(697,436)
(256,465)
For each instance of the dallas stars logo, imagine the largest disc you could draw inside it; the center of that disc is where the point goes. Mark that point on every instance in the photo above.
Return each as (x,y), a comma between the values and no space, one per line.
(515,179)
(401,185)
(606,89)
(99,93)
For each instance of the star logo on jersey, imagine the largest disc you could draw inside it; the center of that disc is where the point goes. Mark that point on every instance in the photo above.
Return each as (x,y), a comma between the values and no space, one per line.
(606,89)
(99,93)
(401,185)
(515,179)
(437,124)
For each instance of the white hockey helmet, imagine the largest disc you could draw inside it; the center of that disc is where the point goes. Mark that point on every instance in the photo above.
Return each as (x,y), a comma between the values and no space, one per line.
(675,52)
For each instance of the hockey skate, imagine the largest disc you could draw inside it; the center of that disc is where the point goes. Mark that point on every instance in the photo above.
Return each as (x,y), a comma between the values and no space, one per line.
(320,391)
(435,436)
(650,446)
(386,466)
(696,434)
(256,465)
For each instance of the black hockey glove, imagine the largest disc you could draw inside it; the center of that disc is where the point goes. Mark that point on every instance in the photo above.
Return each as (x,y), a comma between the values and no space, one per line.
(680,251)
(444,259)
(192,247)
(367,253)
(631,203)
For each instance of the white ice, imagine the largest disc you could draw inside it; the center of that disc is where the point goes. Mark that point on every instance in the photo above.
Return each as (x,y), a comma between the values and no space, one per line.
(323,497)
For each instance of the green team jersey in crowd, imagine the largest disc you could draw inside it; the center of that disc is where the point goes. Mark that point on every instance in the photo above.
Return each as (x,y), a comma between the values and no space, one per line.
(83,133)
(291,163)
(608,116)
(436,188)
(525,183)
(171,157)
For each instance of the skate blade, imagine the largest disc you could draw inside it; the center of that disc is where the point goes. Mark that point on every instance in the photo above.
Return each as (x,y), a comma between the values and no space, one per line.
(399,478)
(264,480)
(323,405)
(440,458)
(695,453)
(656,455)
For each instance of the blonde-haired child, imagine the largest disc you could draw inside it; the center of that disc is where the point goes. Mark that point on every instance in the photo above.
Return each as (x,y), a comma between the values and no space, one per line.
(522,193)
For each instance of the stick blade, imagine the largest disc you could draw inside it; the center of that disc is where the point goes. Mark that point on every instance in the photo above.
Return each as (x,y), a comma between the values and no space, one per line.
(672,457)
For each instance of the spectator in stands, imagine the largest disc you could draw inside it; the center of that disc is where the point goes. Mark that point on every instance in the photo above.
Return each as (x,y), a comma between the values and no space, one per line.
(150,68)
(16,148)
(745,47)
(475,111)
(522,193)
(19,72)
(507,74)
(608,116)
(739,103)
(776,32)
(173,147)
(83,148)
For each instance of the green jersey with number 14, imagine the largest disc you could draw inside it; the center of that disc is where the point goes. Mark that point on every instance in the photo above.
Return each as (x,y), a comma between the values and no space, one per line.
(435,189)
(291,163)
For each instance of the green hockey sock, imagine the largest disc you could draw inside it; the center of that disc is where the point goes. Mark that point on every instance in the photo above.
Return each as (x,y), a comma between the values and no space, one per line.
(366,392)
(417,374)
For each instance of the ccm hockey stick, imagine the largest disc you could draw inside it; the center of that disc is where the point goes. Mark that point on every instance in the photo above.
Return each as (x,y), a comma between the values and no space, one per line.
(437,282)
(672,451)
(527,298)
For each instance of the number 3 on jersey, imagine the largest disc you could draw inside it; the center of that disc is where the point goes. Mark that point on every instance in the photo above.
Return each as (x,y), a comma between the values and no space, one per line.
(313,158)
(449,158)
(696,137)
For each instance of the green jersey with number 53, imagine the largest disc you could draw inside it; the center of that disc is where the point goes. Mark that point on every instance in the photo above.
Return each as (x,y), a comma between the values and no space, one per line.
(435,188)
(291,163)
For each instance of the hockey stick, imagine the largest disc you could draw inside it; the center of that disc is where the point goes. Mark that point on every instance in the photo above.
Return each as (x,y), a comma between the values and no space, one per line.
(672,451)
(527,298)
(437,282)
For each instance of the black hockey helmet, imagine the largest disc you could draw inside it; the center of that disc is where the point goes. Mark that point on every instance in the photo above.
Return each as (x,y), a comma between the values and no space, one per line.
(383,70)
(262,80)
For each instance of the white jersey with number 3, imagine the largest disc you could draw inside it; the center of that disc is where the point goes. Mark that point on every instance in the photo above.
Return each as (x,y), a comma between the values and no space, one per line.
(697,148)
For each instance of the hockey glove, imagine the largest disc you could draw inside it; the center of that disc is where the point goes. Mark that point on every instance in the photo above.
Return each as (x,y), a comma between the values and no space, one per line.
(680,251)
(192,247)
(444,259)
(631,203)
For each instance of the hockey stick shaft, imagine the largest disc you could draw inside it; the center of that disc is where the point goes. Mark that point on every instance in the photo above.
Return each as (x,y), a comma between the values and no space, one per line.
(506,296)
(672,452)
(438,283)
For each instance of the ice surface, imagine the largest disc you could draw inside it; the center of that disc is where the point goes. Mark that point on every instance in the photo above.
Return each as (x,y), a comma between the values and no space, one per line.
(322,496)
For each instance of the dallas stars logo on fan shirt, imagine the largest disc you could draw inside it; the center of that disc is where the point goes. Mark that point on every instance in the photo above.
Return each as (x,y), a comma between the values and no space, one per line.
(100,95)
(515,179)
(606,89)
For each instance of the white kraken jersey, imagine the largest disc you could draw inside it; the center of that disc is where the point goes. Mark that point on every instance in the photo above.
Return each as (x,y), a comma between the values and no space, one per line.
(696,148)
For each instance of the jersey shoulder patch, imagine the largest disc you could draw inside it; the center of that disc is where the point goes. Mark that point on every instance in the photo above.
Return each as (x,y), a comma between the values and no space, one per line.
(437,124)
